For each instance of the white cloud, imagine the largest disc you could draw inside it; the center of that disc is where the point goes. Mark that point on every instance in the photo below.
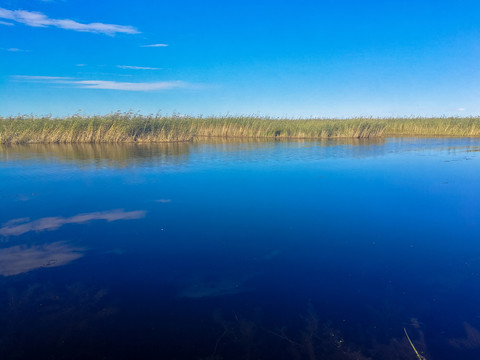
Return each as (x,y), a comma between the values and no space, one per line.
(107,85)
(137,67)
(6,23)
(155,45)
(129,86)
(17,50)
(37,19)
(461,109)
(40,78)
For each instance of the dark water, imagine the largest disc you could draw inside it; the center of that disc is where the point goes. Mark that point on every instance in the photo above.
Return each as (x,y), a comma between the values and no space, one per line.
(255,250)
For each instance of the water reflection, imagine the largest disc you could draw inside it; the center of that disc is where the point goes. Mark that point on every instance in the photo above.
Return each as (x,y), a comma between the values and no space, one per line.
(19,259)
(21,226)
(120,155)
(220,150)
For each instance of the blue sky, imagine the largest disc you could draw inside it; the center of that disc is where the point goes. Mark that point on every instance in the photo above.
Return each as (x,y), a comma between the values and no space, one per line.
(291,58)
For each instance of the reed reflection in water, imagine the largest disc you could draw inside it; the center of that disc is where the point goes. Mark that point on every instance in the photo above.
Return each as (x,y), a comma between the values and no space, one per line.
(158,154)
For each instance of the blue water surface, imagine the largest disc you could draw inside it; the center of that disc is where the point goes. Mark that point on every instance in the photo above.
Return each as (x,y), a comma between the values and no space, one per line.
(241,250)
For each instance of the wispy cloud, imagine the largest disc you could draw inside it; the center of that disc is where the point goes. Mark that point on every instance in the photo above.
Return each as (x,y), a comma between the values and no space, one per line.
(40,78)
(17,50)
(37,19)
(6,23)
(129,86)
(137,67)
(155,45)
(107,85)
(18,227)
(19,259)
(461,109)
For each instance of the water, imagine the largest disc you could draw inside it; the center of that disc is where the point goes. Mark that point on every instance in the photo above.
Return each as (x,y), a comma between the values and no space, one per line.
(241,250)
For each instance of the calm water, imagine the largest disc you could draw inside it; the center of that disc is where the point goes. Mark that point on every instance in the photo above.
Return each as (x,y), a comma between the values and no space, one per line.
(254,250)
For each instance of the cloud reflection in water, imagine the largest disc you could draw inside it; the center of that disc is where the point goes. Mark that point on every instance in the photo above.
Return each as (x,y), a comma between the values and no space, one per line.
(19,259)
(21,226)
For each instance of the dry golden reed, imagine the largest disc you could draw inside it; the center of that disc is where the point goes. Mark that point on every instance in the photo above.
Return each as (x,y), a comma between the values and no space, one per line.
(132,128)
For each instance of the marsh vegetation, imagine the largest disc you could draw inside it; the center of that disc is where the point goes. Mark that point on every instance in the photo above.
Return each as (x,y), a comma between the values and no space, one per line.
(134,128)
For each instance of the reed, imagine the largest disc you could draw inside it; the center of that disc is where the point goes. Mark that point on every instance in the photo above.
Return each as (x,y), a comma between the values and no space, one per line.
(133,128)
(453,126)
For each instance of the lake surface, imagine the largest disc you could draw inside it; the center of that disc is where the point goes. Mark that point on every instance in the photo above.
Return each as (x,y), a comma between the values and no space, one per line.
(241,250)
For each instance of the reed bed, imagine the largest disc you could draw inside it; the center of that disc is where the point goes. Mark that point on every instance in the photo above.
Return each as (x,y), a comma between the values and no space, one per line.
(455,127)
(132,128)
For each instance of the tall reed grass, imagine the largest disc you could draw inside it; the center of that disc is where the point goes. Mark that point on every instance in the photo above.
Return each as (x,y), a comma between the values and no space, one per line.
(119,128)
(454,126)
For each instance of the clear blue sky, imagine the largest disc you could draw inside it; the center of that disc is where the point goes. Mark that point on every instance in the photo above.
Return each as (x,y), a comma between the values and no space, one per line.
(278,58)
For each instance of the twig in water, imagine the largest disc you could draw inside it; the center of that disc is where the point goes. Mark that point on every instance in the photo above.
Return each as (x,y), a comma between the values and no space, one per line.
(420,357)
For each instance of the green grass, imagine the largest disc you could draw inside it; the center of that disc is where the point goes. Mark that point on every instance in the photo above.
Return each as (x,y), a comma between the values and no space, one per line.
(130,128)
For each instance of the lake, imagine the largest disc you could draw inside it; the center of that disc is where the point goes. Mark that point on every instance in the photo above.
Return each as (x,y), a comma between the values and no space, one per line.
(330,249)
